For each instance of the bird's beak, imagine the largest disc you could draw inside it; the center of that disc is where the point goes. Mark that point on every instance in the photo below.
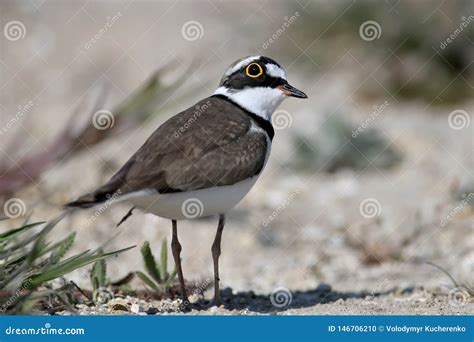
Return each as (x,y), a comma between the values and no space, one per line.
(289,90)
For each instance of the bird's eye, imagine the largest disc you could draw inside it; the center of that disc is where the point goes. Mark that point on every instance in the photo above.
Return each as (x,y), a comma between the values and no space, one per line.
(253,70)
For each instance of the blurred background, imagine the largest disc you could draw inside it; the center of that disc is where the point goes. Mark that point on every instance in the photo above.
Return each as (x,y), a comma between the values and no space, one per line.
(369,179)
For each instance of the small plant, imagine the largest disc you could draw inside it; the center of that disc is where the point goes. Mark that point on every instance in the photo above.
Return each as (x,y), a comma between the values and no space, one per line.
(457,286)
(98,273)
(101,293)
(158,278)
(103,289)
(28,262)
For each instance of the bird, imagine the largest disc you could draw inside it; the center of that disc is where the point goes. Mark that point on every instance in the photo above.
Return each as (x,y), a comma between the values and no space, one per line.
(204,160)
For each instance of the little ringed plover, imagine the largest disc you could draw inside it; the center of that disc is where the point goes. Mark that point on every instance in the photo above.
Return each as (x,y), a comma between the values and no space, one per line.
(204,160)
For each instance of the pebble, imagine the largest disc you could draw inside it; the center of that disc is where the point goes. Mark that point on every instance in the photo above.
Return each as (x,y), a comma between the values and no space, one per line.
(119,307)
(152,311)
(323,287)
(136,308)
(213,309)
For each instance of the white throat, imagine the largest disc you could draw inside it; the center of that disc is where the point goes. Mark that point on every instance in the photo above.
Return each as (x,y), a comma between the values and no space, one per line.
(262,101)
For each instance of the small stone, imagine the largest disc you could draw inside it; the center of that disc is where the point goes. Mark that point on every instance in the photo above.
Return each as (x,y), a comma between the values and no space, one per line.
(136,308)
(323,287)
(227,292)
(119,307)
(152,311)
(213,309)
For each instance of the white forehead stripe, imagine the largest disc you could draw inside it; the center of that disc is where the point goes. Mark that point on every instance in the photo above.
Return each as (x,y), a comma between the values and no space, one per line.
(240,65)
(275,71)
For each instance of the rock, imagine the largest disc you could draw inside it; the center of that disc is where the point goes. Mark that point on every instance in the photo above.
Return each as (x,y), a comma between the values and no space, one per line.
(213,309)
(152,311)
(323,287)
(227,292)
(119,307)
(137,308)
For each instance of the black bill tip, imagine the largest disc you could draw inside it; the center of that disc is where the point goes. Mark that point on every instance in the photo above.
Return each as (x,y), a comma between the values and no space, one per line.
(289,90)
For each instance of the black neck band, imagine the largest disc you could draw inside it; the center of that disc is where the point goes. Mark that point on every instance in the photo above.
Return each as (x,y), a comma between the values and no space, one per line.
(261,122)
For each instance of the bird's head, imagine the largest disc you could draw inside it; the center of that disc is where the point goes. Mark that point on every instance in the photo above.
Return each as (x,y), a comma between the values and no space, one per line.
(258,84)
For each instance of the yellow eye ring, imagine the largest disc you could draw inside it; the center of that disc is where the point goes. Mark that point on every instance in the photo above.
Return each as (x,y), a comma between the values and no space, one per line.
(247,70)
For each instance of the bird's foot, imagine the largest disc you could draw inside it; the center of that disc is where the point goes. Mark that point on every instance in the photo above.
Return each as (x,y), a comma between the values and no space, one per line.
(217,301)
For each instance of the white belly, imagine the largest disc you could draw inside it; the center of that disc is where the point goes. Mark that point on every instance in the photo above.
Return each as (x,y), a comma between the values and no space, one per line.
(192,204)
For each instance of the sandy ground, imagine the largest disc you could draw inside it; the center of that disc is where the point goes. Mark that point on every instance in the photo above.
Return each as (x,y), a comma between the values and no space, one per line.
(303,231)
(320,301)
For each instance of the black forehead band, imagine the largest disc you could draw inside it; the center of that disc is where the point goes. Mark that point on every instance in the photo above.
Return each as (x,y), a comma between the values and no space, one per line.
(263,60)
(268,81)
(266,60)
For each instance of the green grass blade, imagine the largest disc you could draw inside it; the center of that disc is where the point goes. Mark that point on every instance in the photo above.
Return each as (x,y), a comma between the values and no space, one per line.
(147,280)
(72,264)
(34,238)
(62,247)
(13,233)
(164,260)
(98,273)
(150,263)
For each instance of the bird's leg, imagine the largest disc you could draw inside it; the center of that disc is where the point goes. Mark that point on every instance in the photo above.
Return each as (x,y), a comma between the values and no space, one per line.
(176,249)
(216,252)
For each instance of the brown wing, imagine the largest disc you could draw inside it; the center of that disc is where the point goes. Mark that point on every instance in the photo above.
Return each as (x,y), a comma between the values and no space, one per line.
(192,151)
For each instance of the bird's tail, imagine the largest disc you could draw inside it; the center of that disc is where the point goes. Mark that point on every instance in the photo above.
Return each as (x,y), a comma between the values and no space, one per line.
(90,200)
(85,201)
